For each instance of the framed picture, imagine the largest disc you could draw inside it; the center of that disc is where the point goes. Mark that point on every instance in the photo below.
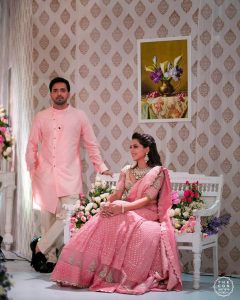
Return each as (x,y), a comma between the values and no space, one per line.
(164,81)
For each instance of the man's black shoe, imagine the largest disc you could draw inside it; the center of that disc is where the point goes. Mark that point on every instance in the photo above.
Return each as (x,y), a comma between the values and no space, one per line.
(47,267)
(38,259)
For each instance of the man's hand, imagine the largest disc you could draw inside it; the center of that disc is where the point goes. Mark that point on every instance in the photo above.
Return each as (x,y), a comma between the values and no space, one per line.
(107,172)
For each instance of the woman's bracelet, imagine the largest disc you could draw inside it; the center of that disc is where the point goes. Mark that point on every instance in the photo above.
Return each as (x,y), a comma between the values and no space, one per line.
(122,209)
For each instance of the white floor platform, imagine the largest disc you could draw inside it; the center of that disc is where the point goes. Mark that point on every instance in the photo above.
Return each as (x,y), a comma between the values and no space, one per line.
(30,285)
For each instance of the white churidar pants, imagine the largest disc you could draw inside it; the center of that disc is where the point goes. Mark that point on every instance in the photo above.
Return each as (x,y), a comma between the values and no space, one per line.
(52,226)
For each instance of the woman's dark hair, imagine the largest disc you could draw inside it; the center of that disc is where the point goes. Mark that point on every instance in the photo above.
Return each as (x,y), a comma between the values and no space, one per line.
(59,79)
(146,140)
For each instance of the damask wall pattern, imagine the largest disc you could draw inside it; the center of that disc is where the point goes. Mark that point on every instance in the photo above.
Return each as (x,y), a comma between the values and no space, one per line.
(94,44)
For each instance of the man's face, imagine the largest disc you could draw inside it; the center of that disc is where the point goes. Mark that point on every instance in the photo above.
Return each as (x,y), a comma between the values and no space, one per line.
(59,94)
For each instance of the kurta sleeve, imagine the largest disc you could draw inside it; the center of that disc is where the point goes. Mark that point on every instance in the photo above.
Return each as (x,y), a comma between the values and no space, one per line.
(90,143)
(34,140)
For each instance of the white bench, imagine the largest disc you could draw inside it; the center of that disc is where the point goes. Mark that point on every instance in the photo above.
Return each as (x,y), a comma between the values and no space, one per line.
(211,188)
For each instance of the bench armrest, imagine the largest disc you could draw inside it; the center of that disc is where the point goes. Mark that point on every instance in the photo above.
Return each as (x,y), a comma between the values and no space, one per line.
(207,212)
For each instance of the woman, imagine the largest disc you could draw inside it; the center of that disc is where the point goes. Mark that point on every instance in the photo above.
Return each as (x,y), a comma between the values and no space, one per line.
(129,247)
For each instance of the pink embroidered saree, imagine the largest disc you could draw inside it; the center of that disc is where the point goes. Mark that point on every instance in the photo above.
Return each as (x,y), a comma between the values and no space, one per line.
(129,253)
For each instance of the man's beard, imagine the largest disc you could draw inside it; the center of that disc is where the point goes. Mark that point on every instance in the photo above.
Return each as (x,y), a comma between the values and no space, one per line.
(60,101)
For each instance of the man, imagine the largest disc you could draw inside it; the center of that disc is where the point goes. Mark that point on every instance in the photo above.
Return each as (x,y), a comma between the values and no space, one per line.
(54,162)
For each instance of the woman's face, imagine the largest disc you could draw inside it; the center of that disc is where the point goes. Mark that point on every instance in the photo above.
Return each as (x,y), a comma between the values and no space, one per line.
(137,150)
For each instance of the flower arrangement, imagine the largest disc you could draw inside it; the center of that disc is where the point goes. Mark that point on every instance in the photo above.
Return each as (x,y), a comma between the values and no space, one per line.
(165,71)
(6,138)
(87,207)
(5,282)
(211,225)
(182,209)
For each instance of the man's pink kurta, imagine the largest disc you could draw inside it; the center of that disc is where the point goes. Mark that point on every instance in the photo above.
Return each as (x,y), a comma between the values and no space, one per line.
(55,165)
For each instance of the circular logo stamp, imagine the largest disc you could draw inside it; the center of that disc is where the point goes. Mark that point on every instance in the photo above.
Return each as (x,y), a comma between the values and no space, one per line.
(223,286)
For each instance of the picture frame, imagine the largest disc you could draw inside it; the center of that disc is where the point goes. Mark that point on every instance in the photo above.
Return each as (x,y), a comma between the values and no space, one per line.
(164,79)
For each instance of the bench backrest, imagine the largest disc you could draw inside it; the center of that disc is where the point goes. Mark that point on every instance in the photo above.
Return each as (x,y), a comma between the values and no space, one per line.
(210,186)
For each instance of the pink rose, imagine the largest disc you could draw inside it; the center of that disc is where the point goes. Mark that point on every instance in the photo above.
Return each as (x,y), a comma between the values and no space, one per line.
(196,195)
(3,129)
(83,219)
(175,198)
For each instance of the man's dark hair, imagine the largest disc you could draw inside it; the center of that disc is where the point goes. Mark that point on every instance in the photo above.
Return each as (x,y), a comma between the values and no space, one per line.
(59,79)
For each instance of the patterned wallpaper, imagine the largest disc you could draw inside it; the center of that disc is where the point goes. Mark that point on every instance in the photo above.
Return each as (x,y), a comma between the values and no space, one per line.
(94,44)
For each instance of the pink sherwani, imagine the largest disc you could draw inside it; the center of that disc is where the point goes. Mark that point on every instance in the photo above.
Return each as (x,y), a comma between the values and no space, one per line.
(53,154)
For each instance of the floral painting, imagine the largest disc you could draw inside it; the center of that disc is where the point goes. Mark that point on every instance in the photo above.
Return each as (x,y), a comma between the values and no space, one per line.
(164,82)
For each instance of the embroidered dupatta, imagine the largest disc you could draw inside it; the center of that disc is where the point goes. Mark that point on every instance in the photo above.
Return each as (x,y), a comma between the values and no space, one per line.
(163,206)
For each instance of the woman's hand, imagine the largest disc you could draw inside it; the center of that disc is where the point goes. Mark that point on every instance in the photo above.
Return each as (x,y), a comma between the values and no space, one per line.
(112,209)
(105,210)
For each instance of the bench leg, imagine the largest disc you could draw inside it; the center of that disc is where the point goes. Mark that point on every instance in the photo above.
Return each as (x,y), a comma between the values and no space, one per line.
(215,260)
(196,272)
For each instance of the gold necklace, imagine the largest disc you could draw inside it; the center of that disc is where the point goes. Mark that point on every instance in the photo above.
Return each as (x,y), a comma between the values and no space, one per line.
(139,173)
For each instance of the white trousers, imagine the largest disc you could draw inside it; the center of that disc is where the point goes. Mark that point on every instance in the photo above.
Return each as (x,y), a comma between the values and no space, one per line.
(52,226)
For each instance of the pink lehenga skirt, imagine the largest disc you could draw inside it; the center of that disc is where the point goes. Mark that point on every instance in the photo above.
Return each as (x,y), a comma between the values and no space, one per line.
(125,254)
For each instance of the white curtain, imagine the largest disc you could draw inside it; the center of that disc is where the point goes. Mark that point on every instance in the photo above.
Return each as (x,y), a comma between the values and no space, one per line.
(4,96)
(21,95)
(217,123)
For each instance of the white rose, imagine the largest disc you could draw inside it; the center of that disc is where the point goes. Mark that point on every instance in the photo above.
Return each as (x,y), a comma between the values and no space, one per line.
(97,184)
(2,114)
(177,211)
(93,211)
(171,213)
(97,199)
(186,214)
(98,210)
(177,225)
(89,206)
(95,205)
(8,150)
(87,213)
